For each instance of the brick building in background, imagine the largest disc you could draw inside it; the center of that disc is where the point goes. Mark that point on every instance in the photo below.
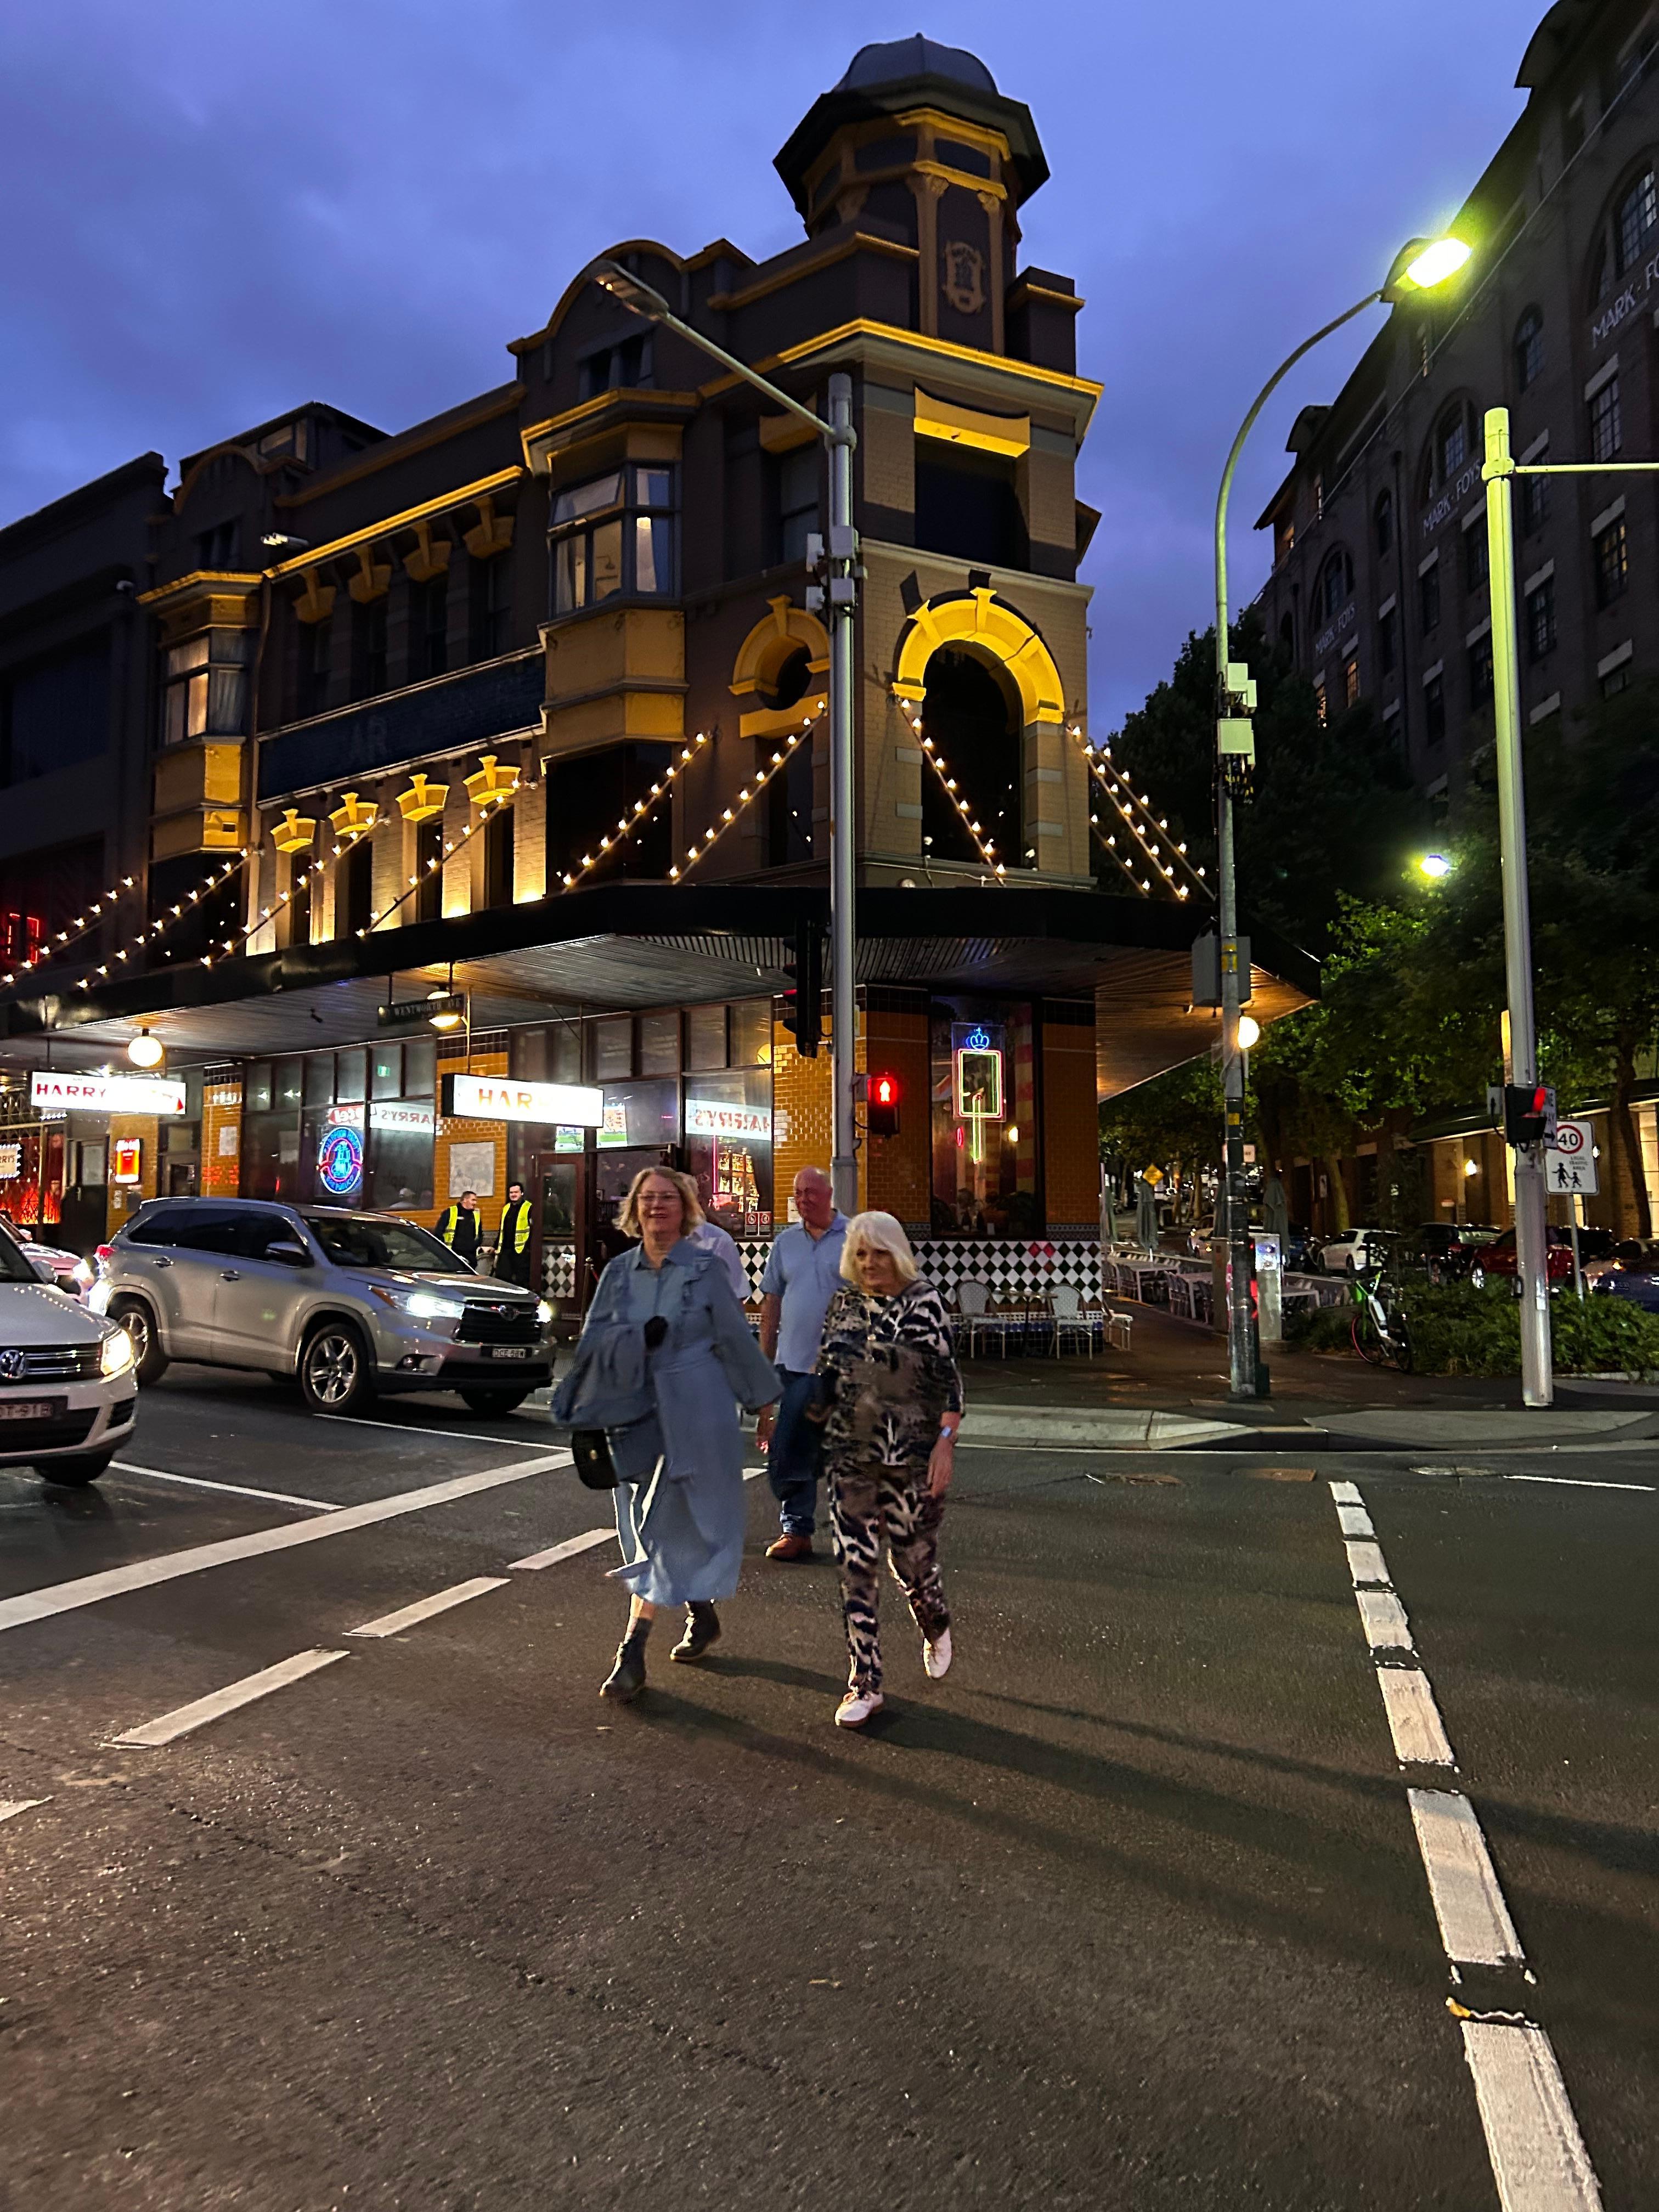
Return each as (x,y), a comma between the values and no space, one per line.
(1379,585)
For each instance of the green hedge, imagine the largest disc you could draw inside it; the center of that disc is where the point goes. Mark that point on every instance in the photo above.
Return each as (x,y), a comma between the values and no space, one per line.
(1457,1330)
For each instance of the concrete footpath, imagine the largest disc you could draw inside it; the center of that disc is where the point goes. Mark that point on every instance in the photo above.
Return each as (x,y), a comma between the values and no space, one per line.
(1168,1393)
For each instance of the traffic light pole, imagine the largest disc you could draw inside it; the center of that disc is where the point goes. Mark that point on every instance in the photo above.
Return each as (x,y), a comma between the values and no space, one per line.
(841,592)
(1531,1232)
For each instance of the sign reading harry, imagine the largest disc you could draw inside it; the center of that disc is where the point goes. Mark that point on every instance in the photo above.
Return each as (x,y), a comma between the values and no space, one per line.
(964,282)
(505,1098)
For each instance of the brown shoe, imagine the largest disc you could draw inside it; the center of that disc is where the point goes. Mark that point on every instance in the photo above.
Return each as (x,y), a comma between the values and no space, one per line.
(790,1547)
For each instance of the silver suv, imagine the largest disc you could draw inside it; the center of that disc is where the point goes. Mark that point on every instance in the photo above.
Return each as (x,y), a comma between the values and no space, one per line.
(347,1304)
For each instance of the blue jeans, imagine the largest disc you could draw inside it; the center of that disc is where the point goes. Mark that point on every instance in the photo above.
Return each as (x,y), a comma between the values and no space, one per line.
(796,1459)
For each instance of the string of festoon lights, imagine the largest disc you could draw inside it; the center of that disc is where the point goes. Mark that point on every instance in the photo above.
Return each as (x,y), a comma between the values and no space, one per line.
(1169,859)
(54,947)
(698,848)
(940,766)
(152,932)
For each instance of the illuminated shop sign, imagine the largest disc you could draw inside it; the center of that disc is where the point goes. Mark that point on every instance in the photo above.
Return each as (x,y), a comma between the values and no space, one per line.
(396,1118)
(105,1094)
(504,1098)
(340,1160)
(979,1080)
(710,1117)
(127,1160)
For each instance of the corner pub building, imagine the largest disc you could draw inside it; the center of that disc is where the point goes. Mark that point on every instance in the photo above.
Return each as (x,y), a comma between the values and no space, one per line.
(525,703)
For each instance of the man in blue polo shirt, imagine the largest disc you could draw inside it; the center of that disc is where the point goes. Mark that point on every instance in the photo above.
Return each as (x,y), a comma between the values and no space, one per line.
(803,1273)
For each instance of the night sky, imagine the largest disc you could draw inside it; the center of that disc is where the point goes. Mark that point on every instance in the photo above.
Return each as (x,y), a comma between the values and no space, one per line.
(213,214)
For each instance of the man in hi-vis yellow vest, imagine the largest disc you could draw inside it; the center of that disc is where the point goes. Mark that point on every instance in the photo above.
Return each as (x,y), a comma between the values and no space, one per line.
(512,1239)
(457,1225)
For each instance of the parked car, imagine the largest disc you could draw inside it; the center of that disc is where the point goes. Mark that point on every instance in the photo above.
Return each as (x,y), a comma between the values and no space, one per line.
(1496,1262)
(1633,1273)
(69,1272)
(68,1395)
(347,1304)
(1447,1249)
(1354,1251)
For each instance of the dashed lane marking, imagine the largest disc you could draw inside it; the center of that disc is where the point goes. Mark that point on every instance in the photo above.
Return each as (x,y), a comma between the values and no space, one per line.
(171,1566)
(1355,1522)
(234,1488)
(11,1807)
(1414,1722)
(408,1616)
(1366,1564)
(568,1550)
(1565,1482)
(184,1718)
(1538,2156)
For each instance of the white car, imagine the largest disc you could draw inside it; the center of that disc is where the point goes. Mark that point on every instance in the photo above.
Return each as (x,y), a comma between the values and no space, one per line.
(1351,1253)
(69,1392)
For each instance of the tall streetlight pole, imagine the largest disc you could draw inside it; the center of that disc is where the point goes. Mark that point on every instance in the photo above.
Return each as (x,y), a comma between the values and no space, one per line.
(837,590)
(1416,267)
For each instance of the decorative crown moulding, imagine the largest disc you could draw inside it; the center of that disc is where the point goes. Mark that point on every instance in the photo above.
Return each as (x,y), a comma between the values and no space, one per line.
(423,799)
(295,832)
(430,555)
(492,783)
(491,534)
(316,603)
(373,579)
(353,816)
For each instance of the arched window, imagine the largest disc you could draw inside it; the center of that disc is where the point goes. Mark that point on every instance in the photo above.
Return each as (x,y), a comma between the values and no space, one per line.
(1451,443)
(1637,219)
(1382,521)
(1529,348)
(1336,586)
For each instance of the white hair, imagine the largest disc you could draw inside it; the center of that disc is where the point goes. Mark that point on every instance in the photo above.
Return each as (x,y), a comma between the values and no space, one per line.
(878,1232)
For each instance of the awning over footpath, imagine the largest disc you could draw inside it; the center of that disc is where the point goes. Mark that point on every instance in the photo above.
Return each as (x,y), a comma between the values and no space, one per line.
(624,946)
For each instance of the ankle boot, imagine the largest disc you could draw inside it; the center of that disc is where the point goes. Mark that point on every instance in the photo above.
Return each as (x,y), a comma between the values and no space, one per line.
(702,1628)
(627,1677)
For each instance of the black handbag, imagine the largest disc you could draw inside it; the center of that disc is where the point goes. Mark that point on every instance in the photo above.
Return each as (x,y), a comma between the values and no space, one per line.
(591,1450)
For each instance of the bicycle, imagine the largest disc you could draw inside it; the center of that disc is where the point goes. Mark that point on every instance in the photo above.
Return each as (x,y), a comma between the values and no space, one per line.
(1380,1333)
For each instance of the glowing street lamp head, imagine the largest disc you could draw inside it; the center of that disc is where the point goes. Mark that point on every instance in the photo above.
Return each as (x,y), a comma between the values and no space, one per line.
(1435,866)
(1423,262)
(146,1051)
(1249,1032)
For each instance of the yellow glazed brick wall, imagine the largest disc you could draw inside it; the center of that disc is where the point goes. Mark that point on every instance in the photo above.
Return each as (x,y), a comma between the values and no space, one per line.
(801,1110)
(899,1170)
(460,1131)
(222,1162)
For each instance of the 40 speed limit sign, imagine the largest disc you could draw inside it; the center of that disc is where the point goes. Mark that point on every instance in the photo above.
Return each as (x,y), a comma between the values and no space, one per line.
(1570,1161)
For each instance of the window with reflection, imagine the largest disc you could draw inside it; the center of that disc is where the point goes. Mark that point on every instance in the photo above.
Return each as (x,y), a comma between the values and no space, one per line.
(614,535)
(1529,348)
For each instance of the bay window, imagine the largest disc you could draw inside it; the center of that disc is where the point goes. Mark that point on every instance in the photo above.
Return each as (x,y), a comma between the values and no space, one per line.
(614,534)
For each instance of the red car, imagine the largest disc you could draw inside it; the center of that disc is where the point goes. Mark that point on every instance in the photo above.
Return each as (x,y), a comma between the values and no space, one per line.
(1497,1259)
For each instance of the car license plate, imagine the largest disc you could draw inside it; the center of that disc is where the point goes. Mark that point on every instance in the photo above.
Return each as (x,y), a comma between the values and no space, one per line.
(27,1409)
(509,1351)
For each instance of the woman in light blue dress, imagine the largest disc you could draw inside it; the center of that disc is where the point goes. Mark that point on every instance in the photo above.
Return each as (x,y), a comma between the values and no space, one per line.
(665,1359)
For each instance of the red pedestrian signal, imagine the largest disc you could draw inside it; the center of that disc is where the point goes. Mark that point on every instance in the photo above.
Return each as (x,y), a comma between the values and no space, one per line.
(1528,1113)
(883,1101)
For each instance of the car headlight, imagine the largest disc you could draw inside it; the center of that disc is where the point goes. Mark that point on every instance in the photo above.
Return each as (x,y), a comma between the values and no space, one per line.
(544,1312)
(115,1355)
(419,1305)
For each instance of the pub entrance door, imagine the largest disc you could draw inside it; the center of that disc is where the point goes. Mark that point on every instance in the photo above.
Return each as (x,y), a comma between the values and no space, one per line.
(558,1221)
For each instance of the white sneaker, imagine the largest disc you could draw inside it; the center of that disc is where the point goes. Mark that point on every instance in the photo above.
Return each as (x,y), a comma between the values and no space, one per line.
(857,1706)
(936,1656)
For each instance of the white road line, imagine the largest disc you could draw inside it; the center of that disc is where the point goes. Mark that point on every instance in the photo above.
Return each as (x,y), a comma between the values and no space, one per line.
(1538,2156)
(1577,1482)
(568,1550)
(252,1686)
(1474,1921)
(408,1616)
(1344,1493)
(1366,1564)
(1384,1620)
(11,1807)
(236,1489)
(414,1429)
(144,1574)
(1414,1722)
(1355,1522)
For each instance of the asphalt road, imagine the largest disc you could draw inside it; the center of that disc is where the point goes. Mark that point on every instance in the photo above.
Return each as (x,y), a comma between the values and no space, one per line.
(1131,1910)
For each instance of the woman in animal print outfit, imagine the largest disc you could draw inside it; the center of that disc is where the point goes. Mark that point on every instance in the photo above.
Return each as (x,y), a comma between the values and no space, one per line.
(891,1397)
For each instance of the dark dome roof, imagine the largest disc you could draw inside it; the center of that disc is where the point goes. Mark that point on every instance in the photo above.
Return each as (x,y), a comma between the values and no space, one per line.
(893,61)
